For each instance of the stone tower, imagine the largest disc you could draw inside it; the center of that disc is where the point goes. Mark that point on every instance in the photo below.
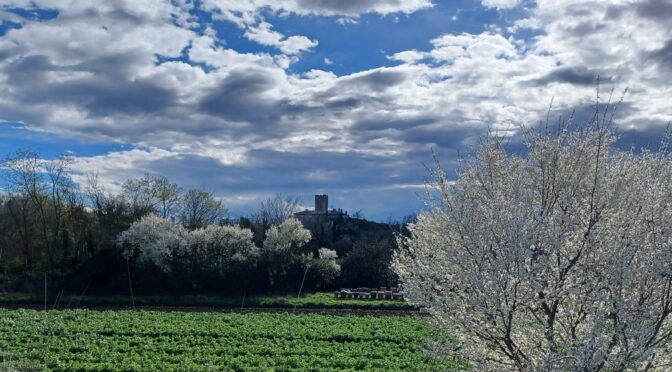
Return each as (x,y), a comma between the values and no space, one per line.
(321,203)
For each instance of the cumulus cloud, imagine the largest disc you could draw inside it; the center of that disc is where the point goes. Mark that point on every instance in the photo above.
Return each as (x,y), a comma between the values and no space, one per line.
(248,15)
(195,108)
(264,34)
(500,4)
(242,10)
(408,56)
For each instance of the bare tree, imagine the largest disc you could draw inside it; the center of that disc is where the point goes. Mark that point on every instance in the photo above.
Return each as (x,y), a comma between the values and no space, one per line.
(275,210)
(556,259)
(200,208)
(80,223)
(152,194)
(113,213)
(167,195)
(61,187)
(21,215)
(24,171)
(139,194)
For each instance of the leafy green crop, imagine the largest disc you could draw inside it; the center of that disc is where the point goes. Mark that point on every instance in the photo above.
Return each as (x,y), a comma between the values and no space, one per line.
(126,340)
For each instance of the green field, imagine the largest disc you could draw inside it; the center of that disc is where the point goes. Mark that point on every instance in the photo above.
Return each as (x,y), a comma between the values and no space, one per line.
(127,340)
(312,300)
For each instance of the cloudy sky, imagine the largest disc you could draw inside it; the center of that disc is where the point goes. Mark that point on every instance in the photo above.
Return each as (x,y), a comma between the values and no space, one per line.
(345,97)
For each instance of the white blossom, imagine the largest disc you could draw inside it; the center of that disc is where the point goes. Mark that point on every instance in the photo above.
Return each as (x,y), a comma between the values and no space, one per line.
(559,258)
(286,236)
(159,240)
(328,261)
(222,245)
(327,254)
(152,238)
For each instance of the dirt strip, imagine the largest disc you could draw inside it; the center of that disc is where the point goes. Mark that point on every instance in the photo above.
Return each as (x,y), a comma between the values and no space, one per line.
(298,310)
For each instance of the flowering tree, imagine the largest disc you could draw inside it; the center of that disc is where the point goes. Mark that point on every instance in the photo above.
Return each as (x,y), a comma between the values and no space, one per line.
(221,246)
(326,267)
(288,236)
(556,259)
(152,238)
(282,250)
(159,240)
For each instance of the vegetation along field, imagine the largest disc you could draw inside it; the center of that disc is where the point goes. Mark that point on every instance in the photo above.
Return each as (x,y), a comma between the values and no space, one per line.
(305,301)
(127,340)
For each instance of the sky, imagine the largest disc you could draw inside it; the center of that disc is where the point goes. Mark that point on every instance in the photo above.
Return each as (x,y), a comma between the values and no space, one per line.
(343,97)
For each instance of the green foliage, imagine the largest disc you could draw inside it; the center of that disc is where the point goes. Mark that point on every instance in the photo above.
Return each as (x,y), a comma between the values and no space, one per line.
(133,341)
(369,264)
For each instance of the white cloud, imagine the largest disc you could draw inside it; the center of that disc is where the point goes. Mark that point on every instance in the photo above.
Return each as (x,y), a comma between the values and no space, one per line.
(235,8)
(263,34)
(500,4)
(345,21)
(116,167)
(92,74)
(248,15)
(408,56)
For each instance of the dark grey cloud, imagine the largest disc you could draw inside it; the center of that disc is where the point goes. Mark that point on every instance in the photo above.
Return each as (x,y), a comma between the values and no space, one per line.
(586,28)
(366,89)
(4,54)
(448,136)
(342,103)
(655,9)
(117,65)
(375,124)
(244,96)
(614,12)
(269,171)
(102,97)
(379,79)
(29,67)
(353,181)
(106,92)
(663,56)
(349,7)
(570,75)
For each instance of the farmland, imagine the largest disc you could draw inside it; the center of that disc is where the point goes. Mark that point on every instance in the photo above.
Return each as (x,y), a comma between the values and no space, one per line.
(306,301)
(145,340)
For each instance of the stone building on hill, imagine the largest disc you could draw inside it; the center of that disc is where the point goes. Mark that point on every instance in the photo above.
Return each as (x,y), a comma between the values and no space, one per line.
(322,221)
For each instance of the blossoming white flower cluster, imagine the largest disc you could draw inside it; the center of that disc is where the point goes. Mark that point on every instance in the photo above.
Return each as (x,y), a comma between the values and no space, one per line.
(328,261)
(222,245)
(328,254)
(287,235)
(158,240)
(153,238)
(556,259)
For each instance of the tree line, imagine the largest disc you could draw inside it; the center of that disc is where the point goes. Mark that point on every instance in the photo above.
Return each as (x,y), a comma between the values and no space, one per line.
(167,239)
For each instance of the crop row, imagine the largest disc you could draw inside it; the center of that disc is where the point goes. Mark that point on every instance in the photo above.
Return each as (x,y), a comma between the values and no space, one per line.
(125,340)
